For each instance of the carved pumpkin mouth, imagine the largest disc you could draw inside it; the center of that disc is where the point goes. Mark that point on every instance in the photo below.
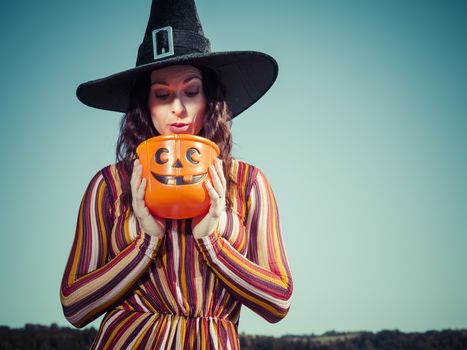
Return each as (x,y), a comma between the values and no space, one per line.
(179,180)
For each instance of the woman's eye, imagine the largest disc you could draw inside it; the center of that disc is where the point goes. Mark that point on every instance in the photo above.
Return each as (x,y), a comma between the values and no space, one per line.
(192,93)
(161,95)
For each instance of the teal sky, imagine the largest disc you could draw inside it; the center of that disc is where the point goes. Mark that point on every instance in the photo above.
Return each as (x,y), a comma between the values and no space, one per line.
(363,138)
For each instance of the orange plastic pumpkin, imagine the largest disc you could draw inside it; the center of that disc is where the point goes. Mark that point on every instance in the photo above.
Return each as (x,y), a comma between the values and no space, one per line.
(175,167)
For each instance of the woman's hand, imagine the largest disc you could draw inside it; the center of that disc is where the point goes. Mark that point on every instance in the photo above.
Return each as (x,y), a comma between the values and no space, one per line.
(148,223)
(203,226)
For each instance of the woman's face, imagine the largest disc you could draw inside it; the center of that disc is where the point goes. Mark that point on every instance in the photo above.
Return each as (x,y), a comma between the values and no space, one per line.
(176,102)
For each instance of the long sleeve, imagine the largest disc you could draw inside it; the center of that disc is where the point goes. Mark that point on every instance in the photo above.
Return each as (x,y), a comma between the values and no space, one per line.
(91,283)
(260,280)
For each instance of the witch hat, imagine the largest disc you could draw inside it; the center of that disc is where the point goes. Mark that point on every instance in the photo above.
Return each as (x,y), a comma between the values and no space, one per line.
(174,35)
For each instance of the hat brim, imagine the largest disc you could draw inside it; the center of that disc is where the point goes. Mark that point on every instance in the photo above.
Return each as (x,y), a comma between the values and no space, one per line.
(246,75)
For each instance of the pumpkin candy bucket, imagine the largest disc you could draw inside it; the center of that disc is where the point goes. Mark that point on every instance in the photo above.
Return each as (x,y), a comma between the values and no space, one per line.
(175,167)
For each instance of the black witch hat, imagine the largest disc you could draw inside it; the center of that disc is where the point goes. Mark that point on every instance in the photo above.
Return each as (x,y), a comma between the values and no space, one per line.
(174,36)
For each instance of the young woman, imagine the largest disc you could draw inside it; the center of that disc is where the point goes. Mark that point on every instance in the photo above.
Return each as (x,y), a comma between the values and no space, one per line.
(166,283)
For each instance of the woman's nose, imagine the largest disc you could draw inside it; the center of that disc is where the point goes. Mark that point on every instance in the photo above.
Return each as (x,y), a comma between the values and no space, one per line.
(178,107)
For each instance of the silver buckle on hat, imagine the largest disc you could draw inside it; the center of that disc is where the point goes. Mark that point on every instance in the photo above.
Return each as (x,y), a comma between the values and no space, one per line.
(162,42)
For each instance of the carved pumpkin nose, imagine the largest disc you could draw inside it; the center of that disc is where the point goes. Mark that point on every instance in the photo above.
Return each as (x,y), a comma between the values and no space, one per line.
(177,164)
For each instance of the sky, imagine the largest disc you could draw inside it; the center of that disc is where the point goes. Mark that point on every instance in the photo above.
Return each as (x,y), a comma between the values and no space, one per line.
(362,137)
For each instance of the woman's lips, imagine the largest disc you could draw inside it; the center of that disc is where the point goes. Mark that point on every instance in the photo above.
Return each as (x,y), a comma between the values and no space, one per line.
(179,127)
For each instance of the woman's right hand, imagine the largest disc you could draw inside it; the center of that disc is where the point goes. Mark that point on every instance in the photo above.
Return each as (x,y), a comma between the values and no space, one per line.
(148,223)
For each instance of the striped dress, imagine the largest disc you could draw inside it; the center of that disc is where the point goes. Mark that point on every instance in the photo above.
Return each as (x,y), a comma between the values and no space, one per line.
(175,292)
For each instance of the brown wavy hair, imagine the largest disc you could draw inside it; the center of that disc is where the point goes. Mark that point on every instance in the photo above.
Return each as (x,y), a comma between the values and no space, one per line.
(136,126)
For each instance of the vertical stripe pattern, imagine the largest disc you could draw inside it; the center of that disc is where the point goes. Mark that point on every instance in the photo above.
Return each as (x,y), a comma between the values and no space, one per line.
(176,292)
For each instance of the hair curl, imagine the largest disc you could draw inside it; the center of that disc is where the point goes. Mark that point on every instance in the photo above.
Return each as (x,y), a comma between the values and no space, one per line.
(136,126)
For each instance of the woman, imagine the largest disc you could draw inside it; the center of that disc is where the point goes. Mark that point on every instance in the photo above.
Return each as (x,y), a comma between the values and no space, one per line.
(176,283)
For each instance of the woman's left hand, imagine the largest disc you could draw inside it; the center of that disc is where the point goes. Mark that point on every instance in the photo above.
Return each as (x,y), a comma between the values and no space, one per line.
(203,226)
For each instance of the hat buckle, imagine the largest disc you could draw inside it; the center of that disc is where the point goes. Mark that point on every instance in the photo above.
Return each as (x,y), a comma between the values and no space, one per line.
(162,42)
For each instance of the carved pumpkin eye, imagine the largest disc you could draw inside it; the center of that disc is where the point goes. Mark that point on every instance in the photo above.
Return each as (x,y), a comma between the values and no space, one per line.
(193,155)
(161,156)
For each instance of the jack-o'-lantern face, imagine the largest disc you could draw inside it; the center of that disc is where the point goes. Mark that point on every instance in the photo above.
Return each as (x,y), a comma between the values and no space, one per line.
(185,167)
(176,167)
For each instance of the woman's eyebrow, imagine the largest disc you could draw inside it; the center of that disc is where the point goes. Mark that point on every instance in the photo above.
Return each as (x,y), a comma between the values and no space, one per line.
(191,78)
(163,82)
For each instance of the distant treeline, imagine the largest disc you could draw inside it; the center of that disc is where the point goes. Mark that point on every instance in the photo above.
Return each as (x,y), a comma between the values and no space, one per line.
(53,337)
